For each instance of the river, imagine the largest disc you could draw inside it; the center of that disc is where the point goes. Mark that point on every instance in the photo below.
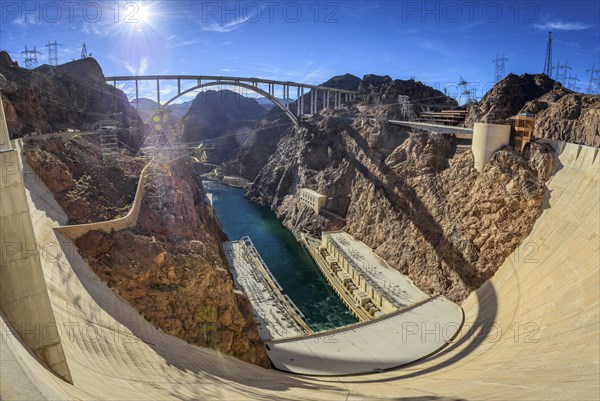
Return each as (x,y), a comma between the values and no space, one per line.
(286,258)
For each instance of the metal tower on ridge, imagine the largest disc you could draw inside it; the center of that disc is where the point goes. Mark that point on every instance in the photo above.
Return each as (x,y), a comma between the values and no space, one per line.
(573,80)
(84,53)
(499,71)
(561,72)
(548,62)
(593,80)
(30,57)
(53,53)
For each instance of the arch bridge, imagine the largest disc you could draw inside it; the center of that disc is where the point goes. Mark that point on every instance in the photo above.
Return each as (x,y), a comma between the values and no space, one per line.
(319,97)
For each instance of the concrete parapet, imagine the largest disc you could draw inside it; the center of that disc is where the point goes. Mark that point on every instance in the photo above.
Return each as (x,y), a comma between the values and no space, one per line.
(4,137)
(75,231)
(488,138)
(24,298)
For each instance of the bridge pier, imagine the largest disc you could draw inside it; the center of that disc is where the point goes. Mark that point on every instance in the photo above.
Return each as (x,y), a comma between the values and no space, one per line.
(158,92)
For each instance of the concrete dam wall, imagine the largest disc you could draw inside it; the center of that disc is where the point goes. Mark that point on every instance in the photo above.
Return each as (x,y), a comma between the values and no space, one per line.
(531,332)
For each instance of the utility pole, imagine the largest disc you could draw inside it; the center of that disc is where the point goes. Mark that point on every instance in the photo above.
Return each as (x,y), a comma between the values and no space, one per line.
(53,53)
(30,57)
(593,80)
(548,62)
(84,52)
(499,71)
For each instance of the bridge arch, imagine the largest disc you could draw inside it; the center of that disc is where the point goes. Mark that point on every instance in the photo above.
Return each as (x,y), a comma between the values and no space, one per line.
(255,89)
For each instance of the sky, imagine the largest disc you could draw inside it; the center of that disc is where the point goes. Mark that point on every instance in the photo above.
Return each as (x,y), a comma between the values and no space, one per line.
(436,42)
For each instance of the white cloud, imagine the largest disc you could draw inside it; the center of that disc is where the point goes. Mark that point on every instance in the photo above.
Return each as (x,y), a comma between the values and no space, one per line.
(141,70)
(226,27)
(561,26)
(143,65)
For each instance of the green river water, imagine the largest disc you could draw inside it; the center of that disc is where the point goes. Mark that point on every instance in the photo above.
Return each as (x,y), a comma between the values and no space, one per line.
(286,258)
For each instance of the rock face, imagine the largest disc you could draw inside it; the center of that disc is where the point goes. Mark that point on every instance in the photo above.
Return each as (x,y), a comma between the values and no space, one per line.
(72,95)
(508,96)
(419,205)
(172,269)
(572,117)
(559,113)
(262,143)
(88,187)
(223,117)
(259,145)
(385,90)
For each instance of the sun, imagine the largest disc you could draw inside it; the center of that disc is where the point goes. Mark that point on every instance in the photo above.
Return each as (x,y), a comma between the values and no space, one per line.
(143,14)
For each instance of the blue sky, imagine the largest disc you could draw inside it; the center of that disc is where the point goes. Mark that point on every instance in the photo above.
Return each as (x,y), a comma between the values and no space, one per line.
(306,41)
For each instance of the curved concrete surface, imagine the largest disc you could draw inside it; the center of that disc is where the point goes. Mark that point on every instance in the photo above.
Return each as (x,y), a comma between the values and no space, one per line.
(530,333)
(393,340)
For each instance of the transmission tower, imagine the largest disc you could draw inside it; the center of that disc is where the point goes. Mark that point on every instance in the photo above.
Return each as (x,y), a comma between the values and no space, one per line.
(30,57)
(499,71)
(573,80)
(561,72)
(593,80)
(466,90)
(548,62)
(53,53)
(84,53)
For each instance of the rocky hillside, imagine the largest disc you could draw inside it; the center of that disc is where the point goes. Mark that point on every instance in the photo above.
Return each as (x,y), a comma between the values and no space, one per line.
(416,202)
(560,113)
(385,90)
(223,117)
(565,116)
(72,95)
(508,96)
(373,89)
(88,187)
(171,266)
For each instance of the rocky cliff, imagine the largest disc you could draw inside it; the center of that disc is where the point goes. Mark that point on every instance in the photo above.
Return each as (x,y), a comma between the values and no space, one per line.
(172,269)
(410,197)
(565,116)
(72,95)
(88,187)
(508,96)
(560,113)
(385,90)
(171,266)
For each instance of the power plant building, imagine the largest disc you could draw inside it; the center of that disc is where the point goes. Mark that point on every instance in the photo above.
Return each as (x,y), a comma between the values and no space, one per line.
(313,199)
